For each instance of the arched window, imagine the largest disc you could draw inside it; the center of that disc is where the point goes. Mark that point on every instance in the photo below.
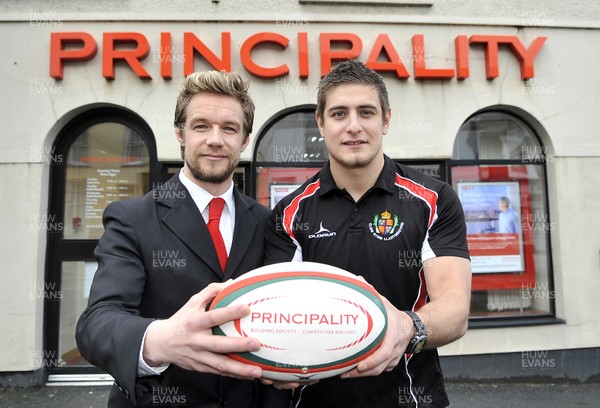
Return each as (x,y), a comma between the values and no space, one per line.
(499,172)
(288,151)
(105,153)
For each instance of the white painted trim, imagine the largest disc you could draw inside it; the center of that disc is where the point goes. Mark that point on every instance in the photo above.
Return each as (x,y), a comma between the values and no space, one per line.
(307,18)
(60,380)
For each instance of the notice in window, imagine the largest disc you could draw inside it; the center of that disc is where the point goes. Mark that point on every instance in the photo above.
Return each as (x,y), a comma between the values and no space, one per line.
(494,236)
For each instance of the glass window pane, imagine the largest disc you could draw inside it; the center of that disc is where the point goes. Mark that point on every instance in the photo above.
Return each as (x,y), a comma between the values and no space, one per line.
(239,179)
(106,162)
(295,138)
(508,234)
(493,136)
(76,280)
(274,183)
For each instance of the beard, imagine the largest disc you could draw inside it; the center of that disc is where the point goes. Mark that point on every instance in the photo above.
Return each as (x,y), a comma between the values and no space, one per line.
(354,162)
(211,172)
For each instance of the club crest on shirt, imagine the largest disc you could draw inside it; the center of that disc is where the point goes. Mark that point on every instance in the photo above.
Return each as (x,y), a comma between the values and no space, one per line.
(385,226)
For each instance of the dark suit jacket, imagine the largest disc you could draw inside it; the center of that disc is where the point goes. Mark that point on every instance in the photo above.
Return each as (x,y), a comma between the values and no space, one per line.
(155,254)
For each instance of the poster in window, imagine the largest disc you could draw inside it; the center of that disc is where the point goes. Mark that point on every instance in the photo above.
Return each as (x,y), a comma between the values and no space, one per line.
(278,191)
(493,218)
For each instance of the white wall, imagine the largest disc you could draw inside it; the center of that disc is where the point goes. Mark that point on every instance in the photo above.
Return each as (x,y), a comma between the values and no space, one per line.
(426,117)
(22,255)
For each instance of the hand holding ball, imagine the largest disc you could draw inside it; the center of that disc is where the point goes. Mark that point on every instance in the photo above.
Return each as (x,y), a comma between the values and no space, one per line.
(313,320)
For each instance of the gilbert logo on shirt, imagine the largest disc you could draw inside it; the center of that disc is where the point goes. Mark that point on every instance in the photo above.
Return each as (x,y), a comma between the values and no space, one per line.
(385,226)
(322,233)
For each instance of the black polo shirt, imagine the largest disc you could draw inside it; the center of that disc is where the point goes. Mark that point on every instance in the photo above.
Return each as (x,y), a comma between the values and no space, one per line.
(403,220)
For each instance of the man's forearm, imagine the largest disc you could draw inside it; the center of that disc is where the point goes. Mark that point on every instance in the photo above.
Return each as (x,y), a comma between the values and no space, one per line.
(446,319)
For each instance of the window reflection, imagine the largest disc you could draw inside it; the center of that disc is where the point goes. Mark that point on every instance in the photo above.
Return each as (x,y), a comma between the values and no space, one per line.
(511,272)
(75,288)
(107,162)
(294,138)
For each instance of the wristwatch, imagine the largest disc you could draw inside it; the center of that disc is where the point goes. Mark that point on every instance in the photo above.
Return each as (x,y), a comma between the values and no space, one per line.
(420,338)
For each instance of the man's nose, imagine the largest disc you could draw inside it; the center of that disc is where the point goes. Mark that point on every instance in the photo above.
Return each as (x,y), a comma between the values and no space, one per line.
(215,137)
(354,123)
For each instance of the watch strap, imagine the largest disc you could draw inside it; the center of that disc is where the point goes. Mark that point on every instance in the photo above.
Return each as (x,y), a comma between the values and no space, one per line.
(417,342)
(417,323)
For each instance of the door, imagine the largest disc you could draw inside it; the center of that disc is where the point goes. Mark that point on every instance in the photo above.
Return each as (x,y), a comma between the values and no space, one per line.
(109,154)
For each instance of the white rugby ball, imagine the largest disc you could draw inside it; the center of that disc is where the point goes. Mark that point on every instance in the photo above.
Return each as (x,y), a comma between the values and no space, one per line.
(313,320)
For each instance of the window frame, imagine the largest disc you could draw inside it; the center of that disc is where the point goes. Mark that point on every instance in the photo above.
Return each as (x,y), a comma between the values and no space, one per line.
(515,321)
(272,121)
(60,249)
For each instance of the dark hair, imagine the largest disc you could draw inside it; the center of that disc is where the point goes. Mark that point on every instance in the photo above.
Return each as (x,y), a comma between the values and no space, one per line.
(352,72)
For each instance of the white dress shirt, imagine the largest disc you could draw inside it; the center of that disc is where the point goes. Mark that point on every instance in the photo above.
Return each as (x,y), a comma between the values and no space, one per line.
(202,199)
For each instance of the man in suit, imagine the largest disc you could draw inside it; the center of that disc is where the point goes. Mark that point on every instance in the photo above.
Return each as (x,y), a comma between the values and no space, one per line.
(146,323)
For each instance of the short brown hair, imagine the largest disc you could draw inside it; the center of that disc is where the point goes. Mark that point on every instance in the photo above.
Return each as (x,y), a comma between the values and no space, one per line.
(215,82)
(352,72)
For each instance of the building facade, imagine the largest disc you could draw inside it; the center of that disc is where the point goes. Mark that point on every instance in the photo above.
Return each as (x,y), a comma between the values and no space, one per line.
(499,100)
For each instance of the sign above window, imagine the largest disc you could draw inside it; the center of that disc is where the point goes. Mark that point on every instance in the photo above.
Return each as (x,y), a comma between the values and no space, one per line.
(133,48)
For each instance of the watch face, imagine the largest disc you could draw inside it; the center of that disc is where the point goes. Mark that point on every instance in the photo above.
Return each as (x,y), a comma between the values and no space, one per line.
(419,343)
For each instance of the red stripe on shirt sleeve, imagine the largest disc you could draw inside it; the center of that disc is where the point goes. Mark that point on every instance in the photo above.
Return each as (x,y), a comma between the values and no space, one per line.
(289,213)
(422,298)
(428,196)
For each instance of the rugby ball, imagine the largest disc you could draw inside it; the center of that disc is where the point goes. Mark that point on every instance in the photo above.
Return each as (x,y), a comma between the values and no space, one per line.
(313,320)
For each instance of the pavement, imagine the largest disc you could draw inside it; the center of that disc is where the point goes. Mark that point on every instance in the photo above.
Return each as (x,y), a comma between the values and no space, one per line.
(477,395)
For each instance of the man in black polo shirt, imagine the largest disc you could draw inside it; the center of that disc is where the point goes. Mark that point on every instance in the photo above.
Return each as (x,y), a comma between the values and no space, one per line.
(403,231)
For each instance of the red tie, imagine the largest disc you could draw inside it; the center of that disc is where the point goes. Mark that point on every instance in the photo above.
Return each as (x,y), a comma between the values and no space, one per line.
(215,208)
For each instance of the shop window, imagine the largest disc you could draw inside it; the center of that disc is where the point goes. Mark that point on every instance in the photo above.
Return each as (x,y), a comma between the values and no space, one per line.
(498,170)
(289,150)
(107,162)
(110,155)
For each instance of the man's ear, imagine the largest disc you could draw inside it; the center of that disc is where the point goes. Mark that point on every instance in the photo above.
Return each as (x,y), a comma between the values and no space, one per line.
(319,120)
(245,143)
(386,121)
(179,136)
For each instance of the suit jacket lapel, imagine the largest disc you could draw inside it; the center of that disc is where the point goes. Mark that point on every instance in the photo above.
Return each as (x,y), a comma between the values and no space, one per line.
(243,234)
(183,218)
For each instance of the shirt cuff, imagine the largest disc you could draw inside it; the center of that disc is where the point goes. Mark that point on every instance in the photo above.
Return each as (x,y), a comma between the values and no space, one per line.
(144,370)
